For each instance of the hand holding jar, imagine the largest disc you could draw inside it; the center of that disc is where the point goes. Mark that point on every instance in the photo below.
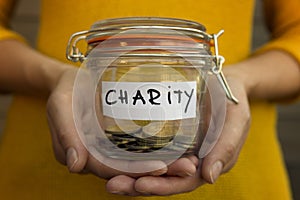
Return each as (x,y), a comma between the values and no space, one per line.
(156,70)
(182,176)
(70,151)
(142,142)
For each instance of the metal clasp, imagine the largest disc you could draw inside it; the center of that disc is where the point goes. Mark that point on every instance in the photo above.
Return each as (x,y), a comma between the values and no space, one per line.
(217,69)
(73,53)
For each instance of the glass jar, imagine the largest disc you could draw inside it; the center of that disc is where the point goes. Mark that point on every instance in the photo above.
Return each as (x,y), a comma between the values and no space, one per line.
(147,87)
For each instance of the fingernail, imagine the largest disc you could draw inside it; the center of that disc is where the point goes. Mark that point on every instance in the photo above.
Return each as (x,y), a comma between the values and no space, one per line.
(72,158)
(215,171)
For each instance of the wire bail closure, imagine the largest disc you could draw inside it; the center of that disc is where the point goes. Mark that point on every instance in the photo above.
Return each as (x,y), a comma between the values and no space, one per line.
(217,69)
(74,54)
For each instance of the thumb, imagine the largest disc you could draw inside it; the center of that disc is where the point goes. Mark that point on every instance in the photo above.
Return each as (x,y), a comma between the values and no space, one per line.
(67,144)
(227,149)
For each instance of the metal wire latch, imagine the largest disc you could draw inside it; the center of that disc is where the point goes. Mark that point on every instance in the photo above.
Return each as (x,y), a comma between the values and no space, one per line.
(217,69)
(74,54)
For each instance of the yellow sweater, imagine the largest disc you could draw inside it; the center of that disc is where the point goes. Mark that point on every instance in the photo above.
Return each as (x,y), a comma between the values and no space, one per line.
(28,167)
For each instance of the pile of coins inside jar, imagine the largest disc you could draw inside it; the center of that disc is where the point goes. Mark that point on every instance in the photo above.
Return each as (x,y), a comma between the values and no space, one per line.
(149,137)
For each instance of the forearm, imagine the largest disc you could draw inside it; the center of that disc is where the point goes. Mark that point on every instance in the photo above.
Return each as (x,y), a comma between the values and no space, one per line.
(274,75)
(25,70)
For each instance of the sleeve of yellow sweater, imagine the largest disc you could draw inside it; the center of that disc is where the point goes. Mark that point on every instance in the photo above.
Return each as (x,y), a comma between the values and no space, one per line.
(6,7)
(283,20)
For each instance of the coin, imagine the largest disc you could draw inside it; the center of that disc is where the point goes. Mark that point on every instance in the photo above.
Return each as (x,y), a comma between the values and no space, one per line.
(137,147)
(142,122)
(158,146)
(125,137)
(162,128)
(120,142)
(153,144)
(154,139)
(114,129)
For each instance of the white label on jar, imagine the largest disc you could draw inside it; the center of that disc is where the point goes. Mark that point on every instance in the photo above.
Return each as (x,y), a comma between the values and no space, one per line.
(149,100)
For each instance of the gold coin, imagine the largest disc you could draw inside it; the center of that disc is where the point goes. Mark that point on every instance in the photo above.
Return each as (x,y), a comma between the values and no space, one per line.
(142,122)
(154,144)
(114,129)
(162,128)
(123,142)
(120,138)
(154,139)
(138,147)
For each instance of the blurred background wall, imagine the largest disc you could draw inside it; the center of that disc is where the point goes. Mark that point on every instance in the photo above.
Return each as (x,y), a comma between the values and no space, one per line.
(25,21)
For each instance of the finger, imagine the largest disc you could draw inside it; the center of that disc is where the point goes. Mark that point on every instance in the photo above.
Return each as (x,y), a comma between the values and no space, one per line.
(57,147)
(186,166)
(59,109)
(168,185)
(194,160)
(225,153)
(122,185)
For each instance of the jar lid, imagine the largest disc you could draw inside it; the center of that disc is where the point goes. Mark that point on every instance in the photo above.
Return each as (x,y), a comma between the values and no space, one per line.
(188,30)
(146,21)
